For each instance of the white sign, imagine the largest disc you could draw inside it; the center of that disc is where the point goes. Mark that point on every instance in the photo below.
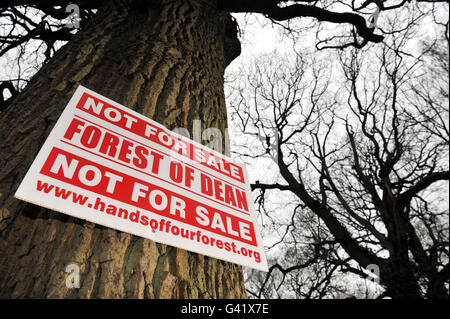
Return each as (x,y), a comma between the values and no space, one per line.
(109,165)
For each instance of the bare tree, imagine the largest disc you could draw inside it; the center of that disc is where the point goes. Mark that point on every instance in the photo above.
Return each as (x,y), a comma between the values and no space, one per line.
(366,166)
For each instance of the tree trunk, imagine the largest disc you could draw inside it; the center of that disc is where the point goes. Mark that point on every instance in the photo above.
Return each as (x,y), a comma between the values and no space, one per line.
(399,281)
(165,59)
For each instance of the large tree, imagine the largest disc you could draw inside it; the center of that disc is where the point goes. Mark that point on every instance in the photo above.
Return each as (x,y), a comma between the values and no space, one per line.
(165,59)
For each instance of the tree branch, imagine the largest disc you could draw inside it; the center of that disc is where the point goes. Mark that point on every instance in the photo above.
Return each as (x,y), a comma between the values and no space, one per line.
(271,9)
(258,185)
(405,197)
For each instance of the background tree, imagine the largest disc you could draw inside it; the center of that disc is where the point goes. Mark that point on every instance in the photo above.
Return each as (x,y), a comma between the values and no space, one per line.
(165,59)
(362,155)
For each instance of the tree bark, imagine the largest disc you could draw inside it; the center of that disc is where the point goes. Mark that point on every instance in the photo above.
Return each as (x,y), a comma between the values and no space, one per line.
(165,59)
